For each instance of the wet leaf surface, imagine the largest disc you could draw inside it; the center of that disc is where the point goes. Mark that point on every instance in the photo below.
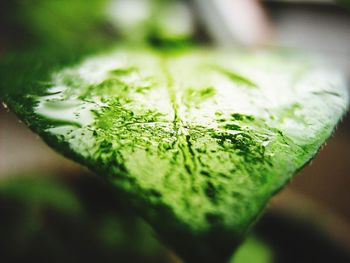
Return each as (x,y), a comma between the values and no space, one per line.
(198,141)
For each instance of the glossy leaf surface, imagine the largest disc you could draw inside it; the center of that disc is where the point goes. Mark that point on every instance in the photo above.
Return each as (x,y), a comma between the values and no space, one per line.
(197,140)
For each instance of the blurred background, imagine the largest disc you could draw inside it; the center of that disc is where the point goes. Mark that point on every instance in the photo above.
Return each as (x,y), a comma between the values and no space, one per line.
(54,210)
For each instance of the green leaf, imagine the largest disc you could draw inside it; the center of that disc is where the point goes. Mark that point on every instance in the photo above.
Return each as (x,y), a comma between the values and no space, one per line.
(198,140)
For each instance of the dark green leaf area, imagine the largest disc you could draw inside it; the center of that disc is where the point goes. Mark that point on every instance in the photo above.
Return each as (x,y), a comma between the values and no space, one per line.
(197,154)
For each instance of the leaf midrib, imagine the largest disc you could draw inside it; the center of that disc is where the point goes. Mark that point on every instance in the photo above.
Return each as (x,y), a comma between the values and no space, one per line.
(181,129)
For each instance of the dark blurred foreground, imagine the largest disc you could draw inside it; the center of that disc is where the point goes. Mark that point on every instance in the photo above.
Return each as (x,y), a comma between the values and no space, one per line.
(78,218)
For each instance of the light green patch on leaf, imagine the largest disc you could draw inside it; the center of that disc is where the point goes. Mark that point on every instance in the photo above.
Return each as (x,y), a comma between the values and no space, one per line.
(197,153)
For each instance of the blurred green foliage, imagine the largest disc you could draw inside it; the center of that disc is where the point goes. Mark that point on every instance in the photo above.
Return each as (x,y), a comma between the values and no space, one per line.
(80,219)
(52,22)
(79,23)
(47,219)
(253,251)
